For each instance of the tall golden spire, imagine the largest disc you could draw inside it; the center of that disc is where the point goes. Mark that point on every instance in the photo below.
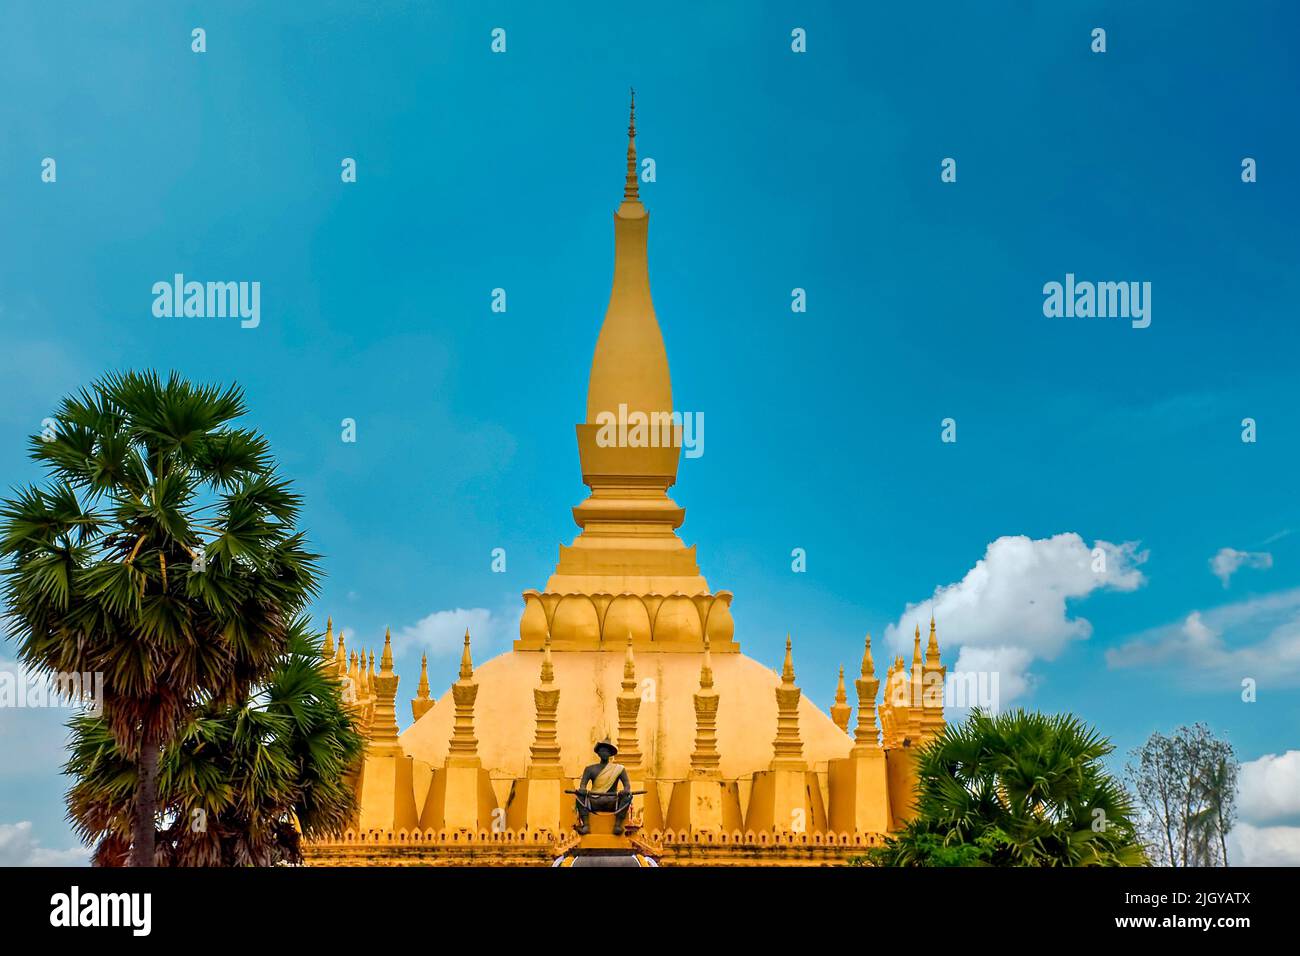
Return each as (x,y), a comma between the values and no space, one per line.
(629,703)
(629,446)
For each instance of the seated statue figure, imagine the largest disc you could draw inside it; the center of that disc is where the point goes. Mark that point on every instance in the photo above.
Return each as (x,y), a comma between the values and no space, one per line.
(609,791)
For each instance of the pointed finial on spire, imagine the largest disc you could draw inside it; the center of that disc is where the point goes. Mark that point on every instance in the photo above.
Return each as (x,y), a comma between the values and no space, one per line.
(868,665)
(916,646)
(932,646)
(327,648)
(787,669)
(706,667)
(631,188)
(386,661)
(372,666)
(422,703)
(466,663)
(548,668)
(629,662)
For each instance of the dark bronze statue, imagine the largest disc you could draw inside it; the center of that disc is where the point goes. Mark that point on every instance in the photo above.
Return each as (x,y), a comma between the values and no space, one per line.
(610,791)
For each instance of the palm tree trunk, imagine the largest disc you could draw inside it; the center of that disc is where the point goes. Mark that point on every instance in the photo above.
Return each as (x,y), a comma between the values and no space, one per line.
(143,824)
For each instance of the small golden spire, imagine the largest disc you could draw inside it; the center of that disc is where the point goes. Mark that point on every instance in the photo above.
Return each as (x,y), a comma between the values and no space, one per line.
(630,189)
(932,647)
(466,663)
(628,703)
(840,710)
(462,750)
(705,759)
(341,659)
(422,703)
(787,748)
(866,733)
(545,750)
(327,649)
(383,686)
(787,669)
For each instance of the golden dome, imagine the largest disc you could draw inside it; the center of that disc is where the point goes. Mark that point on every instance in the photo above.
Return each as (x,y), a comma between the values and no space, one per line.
(589,683)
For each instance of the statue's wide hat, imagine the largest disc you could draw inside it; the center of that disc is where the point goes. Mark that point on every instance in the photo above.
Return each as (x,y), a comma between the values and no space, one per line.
(606,745)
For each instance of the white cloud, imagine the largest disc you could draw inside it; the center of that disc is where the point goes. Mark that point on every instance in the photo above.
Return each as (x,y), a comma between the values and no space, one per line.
(443,632)
(1224,644)
(1269,789)
(1268,803)
(1264,846)
(1010,609)
(1229,561)
(19,847)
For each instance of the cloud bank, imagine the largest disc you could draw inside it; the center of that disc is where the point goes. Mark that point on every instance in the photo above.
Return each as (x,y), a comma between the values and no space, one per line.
(1011,608)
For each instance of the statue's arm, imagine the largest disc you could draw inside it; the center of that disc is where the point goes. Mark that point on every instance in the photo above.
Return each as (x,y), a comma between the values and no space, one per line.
(587,777)
(623,781)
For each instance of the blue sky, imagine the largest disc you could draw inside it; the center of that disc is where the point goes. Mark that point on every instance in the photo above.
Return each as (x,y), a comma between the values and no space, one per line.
(775,170)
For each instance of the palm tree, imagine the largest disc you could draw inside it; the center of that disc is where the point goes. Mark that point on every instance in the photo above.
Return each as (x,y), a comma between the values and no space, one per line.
(1016,789)
(161,554)
(1216,790)
(241,785)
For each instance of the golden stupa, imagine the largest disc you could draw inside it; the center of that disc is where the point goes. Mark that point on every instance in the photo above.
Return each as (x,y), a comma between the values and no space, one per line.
(629,641)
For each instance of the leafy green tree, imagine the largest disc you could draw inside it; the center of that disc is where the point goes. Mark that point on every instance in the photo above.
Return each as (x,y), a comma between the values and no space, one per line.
(160,554)
(1015,789)
(1186,786)
(239,786)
